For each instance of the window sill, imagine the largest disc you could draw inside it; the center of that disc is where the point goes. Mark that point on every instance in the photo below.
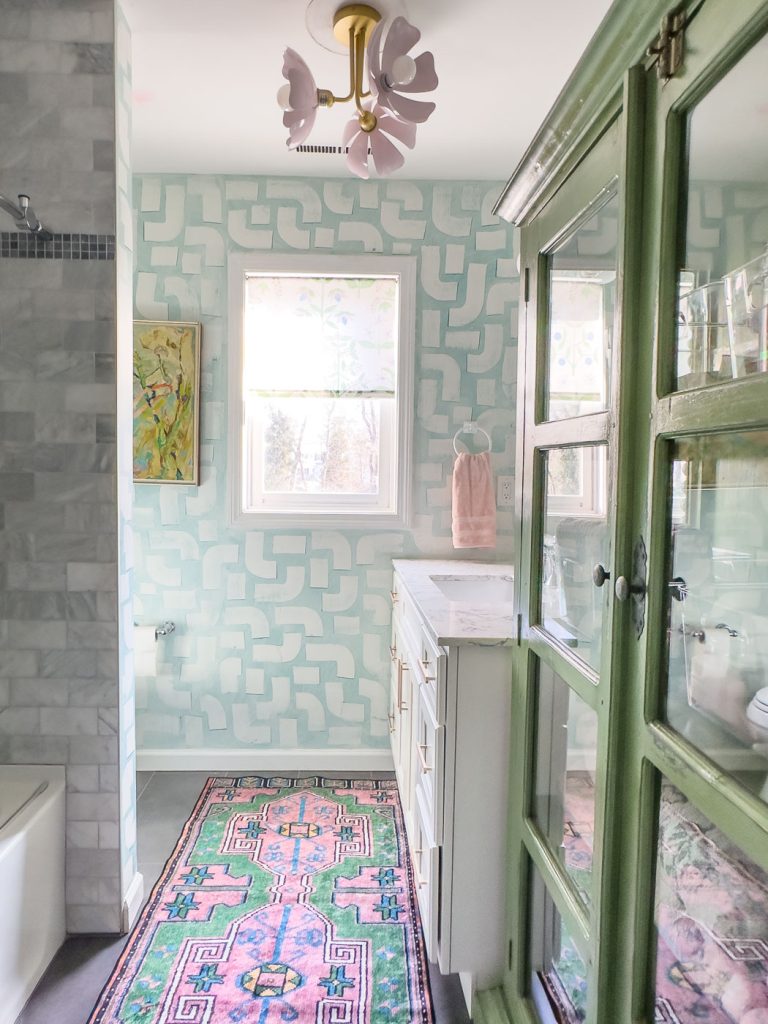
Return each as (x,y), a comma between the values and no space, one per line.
(319,521)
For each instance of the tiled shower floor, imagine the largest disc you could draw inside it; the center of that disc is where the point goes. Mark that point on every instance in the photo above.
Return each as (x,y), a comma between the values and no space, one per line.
(72,983)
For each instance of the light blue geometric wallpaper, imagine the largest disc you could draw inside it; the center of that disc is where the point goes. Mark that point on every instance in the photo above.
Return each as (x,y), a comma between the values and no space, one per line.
(282,635)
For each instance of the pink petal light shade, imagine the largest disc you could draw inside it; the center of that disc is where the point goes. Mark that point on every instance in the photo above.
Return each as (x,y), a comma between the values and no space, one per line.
(299,118)
(386,156)
(400,38)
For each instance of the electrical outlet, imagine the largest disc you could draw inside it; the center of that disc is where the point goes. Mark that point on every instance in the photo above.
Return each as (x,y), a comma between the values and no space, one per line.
(505,491)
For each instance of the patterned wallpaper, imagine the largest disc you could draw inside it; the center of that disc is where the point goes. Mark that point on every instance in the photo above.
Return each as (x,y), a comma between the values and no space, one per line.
(282,636)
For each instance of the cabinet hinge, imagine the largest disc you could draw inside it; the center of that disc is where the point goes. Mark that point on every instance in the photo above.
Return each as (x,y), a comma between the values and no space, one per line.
(526,285)
(519,627)
(669,45)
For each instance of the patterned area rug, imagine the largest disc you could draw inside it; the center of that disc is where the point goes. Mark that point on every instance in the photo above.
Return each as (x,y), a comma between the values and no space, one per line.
(284,900)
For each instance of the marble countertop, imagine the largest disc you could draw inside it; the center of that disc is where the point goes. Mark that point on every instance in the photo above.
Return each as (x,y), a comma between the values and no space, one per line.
(481,610)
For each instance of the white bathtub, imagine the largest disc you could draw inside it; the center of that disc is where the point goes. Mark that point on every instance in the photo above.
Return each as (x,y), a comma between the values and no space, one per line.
(31,879)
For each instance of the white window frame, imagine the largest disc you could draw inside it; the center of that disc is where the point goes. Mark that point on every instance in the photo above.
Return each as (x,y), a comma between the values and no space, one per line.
(590,499)
(318,511)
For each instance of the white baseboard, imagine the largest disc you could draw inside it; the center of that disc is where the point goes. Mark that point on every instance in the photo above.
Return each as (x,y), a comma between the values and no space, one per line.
(133,901)
(243,762)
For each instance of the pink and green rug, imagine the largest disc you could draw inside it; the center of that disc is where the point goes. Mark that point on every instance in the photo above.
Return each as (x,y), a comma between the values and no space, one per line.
(285,900)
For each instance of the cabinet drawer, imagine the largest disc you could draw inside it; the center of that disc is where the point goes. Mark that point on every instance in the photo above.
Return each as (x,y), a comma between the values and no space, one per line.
(430,672)
(425,860)
(428,755)
(426,661)
(402,605)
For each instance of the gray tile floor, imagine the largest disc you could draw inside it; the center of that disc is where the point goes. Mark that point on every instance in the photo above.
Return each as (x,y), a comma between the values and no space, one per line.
(72,983)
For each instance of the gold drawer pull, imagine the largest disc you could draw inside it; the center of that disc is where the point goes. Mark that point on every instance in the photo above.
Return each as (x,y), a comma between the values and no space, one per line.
(402,707)
(421,750)
(391,723)
(392,652)
(394,596)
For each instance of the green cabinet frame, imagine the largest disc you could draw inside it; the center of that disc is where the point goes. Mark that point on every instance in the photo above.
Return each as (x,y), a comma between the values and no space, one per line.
(616,116)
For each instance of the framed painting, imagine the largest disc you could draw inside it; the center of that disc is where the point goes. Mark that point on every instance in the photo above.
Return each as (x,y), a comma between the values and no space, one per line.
(166,402)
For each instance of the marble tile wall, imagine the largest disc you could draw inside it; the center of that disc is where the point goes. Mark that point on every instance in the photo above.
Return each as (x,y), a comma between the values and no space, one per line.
(124,462)
(282,635)
(58,501)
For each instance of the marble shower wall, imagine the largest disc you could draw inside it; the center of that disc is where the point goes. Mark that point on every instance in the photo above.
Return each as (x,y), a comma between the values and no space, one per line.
(282,635)
(58,501)
(124,375)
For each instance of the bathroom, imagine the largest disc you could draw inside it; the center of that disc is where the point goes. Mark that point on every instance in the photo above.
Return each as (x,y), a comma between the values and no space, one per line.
(146,642)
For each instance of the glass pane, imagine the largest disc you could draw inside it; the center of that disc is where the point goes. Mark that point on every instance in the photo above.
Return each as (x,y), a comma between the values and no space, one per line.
(558,973)
(319,445)
(717,695)
(712,921)
(317,334)
(723,304)
(564,775)
(575,541)
(582,298)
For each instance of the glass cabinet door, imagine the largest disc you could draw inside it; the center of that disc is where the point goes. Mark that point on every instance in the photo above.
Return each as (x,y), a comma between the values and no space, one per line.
(722,309)
(639,837)
(573,341)
(698,752)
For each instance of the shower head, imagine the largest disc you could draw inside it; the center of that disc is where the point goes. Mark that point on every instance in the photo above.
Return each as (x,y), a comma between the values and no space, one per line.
(25,217)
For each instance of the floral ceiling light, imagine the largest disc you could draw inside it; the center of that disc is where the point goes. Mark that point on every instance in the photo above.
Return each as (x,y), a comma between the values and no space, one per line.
(383,82)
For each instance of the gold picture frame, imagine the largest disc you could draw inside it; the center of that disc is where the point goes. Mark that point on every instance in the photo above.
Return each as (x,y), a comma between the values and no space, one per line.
(166,401)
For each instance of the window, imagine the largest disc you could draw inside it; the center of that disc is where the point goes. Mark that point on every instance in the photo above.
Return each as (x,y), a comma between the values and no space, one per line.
(321,388)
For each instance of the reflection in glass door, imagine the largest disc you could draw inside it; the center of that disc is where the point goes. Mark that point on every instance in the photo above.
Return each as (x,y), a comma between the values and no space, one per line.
(703,726)
(711,916)
(717,679)
(573,332)
(722,319)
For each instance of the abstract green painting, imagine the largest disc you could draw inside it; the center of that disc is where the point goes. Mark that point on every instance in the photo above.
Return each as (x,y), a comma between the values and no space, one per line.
(166,375)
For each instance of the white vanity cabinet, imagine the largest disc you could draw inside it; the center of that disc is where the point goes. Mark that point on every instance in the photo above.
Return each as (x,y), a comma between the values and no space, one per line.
(449,726)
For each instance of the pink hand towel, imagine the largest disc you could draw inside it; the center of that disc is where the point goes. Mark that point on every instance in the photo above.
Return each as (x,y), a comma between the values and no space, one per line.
(474,503)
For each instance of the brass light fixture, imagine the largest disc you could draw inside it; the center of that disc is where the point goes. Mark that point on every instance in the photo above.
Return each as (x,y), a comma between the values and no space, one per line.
(382,77)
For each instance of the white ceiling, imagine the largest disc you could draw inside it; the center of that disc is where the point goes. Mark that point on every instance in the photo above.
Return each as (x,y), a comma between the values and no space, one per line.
(205,76)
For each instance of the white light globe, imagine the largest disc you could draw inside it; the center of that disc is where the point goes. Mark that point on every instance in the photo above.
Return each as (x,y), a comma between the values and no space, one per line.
(284,96)
(403,70)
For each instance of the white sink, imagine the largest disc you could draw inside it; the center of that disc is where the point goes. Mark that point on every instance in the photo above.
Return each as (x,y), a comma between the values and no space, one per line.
(476,589)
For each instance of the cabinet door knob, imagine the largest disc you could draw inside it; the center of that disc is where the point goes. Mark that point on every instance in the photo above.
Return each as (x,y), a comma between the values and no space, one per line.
(600,575)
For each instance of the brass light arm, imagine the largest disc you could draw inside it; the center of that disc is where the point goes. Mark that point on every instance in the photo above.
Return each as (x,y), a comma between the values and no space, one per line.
(358,37)
(359,63)
(351,93)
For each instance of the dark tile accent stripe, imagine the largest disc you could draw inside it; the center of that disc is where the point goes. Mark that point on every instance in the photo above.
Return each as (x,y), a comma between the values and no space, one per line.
(23,246)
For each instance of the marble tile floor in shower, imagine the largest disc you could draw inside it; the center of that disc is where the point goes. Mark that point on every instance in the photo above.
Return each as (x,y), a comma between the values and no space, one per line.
(71,985)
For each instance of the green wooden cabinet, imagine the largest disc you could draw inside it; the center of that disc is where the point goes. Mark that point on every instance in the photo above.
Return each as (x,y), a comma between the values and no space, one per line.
(638,856)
